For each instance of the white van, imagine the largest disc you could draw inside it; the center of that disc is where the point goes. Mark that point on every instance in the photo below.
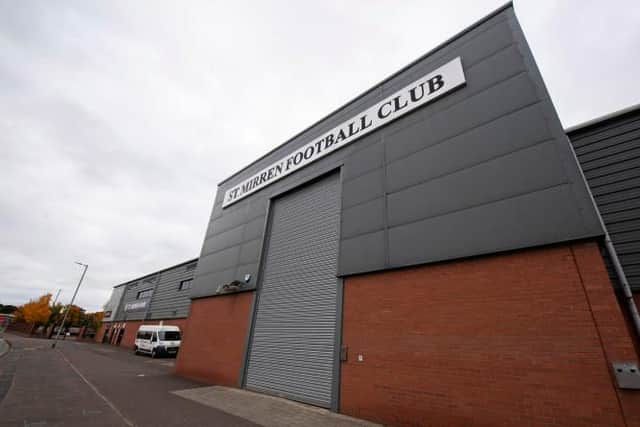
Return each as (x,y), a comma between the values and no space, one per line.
(158,340)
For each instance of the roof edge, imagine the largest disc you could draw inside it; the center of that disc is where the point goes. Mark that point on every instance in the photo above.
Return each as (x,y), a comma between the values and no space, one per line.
(471,27)
(157,272)
(598,120)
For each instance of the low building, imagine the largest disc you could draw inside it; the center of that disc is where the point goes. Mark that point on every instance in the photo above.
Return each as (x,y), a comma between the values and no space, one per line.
(159,297)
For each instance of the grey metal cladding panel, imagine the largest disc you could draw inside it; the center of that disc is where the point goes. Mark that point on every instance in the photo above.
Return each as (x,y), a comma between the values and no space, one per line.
(249,268)
(632,163)
(363,218)
(632,224)
(525,171)
(610,156)
(616,186)
(480,77)
(631,142)
(363,188)
(504,98)
(520,222)
(206,284)
(613,140)
(618,196)
(509,133)
(601,163)
(622,206)
(589,140)
(621,216)
(168,301)
(365,160)
(223,240)
(614,177)
(250,252)
(209,263)
(130,295)
(230,219)
(362,253)
(218,261)
(254,229)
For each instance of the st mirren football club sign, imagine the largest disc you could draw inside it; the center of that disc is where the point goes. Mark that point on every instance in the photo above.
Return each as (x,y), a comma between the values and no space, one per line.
(422,91)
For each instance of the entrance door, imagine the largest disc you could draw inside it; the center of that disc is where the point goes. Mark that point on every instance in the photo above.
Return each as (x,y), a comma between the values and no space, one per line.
(294,335)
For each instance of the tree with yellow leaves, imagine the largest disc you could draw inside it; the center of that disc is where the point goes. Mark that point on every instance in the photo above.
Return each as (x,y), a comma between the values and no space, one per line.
(36,311)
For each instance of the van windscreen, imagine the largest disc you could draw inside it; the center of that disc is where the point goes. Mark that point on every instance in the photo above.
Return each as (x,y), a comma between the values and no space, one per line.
(169,336)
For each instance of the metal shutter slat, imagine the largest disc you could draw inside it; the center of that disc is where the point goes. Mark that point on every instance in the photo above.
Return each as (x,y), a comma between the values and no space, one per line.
(293,342)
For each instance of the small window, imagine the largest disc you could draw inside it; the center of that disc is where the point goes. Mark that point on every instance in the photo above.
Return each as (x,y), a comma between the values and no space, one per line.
(185,284)
(144,294)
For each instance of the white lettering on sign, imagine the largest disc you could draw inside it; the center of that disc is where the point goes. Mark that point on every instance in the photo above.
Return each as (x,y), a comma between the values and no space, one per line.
(131,306)
(428,88)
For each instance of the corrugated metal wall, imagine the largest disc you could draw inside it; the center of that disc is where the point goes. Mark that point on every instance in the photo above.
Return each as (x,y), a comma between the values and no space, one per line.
(293,342)
(130,297)
(167,300)
(609,153)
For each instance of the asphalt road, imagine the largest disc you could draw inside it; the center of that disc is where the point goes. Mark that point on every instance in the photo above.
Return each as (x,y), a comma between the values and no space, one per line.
(83,384)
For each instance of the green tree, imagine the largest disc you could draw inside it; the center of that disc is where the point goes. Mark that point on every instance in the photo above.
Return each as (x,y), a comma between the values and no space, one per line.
(7,309)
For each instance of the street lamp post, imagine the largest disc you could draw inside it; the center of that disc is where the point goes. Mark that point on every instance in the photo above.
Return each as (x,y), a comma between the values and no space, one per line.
(64,319)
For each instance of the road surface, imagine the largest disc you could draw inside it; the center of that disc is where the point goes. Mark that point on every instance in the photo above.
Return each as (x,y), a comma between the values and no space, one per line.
(84,384)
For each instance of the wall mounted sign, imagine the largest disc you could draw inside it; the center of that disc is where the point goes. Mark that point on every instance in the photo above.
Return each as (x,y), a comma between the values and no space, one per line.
(135,306)
(420,92)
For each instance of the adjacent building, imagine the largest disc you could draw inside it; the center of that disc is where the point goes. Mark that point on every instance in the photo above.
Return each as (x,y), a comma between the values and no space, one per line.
(608,149)
(159,297)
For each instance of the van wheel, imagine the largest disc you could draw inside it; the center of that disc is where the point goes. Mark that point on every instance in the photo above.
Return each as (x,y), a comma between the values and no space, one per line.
(135,350)
(154,354)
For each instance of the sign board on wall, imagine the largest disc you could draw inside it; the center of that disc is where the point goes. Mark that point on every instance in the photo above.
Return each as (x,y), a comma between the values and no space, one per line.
(135,306)
(423,90)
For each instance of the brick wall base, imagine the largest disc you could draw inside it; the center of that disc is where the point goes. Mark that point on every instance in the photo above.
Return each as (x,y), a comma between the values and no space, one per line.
(213,343)
(524,338)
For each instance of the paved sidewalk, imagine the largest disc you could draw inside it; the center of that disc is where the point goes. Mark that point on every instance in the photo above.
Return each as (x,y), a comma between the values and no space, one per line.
(268,411)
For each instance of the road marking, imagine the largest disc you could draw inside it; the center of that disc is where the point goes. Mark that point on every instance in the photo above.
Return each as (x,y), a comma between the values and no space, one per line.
(96,391)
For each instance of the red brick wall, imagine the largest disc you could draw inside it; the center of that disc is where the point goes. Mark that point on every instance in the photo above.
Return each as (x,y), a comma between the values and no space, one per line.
(130,332)
(523,338)
(214,339)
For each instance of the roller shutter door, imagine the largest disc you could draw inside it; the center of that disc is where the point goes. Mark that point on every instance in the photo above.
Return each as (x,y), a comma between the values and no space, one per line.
(293,343)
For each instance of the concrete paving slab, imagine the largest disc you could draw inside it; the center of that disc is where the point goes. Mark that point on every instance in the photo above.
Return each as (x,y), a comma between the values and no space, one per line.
(268,411)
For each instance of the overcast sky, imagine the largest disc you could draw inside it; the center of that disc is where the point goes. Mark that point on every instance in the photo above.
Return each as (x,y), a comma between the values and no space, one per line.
(119,118)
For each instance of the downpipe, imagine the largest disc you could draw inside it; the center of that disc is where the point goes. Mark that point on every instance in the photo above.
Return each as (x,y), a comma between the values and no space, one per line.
(613,255)
(626,289)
